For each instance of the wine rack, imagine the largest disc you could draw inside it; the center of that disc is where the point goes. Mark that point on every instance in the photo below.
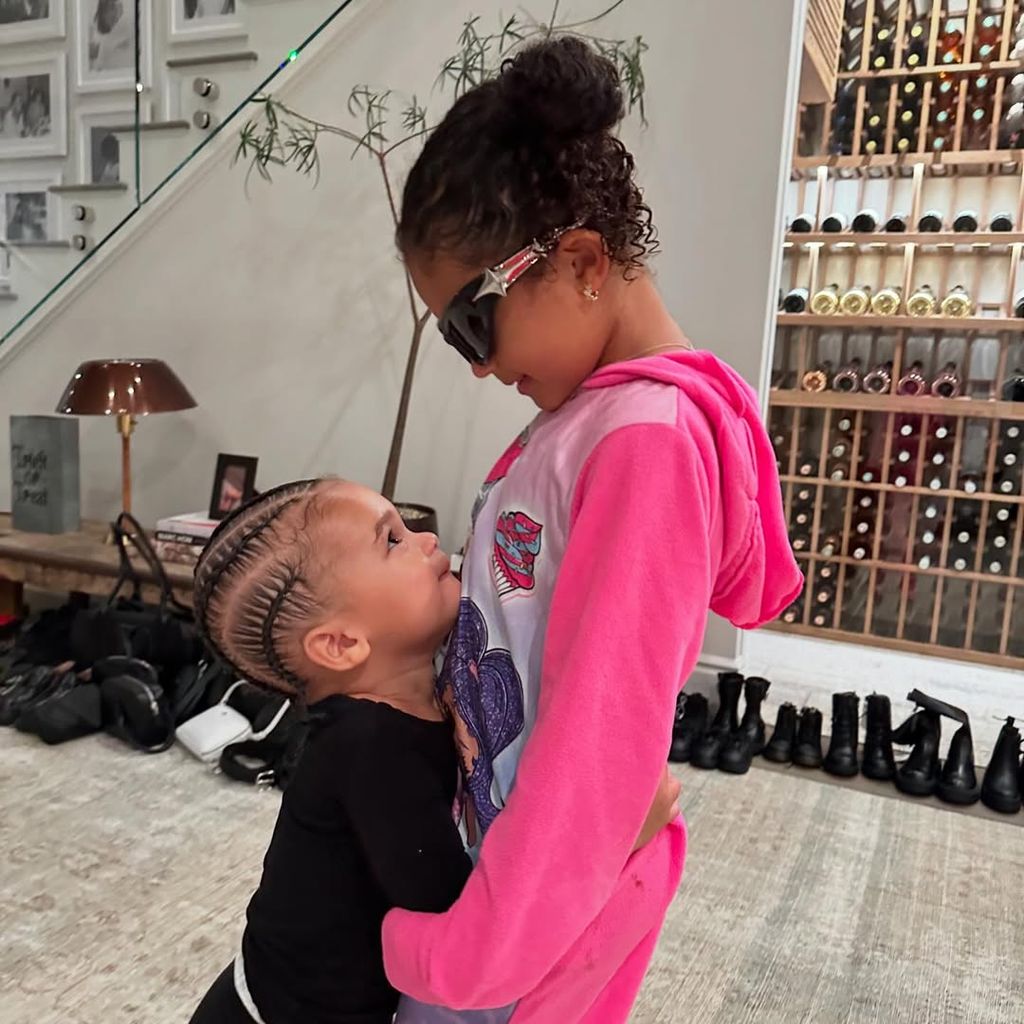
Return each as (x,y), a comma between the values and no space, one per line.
(897,400)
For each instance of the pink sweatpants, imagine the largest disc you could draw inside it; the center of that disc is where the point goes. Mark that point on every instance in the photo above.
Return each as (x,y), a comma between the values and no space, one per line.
(597,981)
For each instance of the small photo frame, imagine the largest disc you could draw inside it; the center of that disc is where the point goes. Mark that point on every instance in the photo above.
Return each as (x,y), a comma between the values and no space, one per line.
(234,484)
(23,21)
(106,44)
(99,147)
(33,108)
(196,20)
(28,210)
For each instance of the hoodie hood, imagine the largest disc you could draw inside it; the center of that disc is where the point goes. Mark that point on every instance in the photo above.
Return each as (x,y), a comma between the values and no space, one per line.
(758,576)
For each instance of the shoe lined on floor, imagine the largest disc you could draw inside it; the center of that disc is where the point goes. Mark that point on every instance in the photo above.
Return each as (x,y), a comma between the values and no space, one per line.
(706,752)
(958,782)
(690,725)
(878,761)
(780,748)
(1001,788)
(919,774)
(748,740)
(807,752)
(842,748)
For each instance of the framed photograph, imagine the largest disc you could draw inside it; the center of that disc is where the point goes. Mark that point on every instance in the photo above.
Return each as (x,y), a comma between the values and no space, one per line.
(23,21)
(33,108)
(28,210)
(99,148)
(106,44)
(205,19)
(234,484)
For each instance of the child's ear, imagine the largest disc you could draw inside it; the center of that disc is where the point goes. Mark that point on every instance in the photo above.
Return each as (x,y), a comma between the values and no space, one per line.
(588,258)
(336,646)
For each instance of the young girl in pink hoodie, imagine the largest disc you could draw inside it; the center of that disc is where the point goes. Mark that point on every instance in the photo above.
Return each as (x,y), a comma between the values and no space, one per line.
(644,495)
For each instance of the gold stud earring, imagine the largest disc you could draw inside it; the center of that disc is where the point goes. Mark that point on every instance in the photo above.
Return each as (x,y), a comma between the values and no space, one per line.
(590,293)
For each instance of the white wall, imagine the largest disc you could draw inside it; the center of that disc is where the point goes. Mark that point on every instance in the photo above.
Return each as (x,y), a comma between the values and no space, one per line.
(283,311)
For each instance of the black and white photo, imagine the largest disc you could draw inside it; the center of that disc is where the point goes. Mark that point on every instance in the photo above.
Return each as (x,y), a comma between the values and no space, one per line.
(99,145)
(26,20)
(32,109)
(106,44)
(26,217)
(205,19)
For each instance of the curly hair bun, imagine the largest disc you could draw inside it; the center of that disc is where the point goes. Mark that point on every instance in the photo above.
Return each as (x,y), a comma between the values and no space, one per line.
(560,89)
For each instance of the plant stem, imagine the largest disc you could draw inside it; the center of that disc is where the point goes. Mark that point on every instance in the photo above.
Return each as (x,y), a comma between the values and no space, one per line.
(590,21)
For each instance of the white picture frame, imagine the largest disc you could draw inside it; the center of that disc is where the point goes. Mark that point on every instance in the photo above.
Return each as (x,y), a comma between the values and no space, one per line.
(21,196)
(198,20)
(105,53)
(33,107)
(50,25)
(90,138)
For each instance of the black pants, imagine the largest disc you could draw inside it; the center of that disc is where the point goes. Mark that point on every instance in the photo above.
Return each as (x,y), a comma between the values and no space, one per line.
(221,1004)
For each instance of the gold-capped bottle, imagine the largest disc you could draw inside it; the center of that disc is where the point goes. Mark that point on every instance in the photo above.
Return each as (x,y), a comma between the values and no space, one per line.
(817,380)
(879,380)
(847,379)
(887,301)
(856,301)
(922,302)
(825,302)
(958,303)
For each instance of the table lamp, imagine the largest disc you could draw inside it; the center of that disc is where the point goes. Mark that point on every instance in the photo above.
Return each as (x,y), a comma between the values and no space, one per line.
(127,389)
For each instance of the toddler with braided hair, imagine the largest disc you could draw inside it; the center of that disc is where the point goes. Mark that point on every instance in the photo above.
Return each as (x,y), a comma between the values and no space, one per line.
(318,589)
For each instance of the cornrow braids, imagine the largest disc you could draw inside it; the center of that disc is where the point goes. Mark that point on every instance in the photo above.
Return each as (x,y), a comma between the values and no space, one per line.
(252,591)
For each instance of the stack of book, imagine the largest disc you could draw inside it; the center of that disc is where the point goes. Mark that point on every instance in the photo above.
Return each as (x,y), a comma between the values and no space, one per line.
(181,539)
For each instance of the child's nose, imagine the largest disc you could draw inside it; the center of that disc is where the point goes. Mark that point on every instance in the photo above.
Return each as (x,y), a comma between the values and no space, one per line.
(430,542)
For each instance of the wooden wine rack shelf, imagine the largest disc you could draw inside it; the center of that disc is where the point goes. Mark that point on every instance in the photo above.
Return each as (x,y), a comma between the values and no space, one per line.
(1004,161)
(920,324)
(898,241)
(924,405)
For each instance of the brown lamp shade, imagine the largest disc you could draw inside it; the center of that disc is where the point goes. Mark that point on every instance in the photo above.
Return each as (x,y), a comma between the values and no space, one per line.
(132,387)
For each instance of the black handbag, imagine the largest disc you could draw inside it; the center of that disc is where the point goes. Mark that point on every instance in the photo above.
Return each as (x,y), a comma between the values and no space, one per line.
(134,706)
(272,760)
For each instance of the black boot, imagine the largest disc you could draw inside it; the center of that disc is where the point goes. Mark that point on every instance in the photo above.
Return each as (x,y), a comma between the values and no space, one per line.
(958,783)
(905,733)
(807,752)
(780,747)
(878,761)
(739,750)
(1001,788)
(725,723)
(919,774)
(691,721)
(842,749)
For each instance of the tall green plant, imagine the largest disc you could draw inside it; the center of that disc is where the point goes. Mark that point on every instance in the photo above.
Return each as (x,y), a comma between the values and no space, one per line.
(382,123)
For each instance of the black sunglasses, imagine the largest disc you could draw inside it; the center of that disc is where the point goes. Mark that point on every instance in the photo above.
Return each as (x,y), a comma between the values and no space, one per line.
(467,323)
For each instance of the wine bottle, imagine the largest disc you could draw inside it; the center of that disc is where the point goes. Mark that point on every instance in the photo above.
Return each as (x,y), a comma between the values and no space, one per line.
(1011,126)
(804,495)
(946,92)
(839,471)
(931,221)
(912,383)
(904,456)
(856,301)
(947,384)
(834,223)
(818,379)
(902,478)
(882,49)
(802,224)
(865,222)
(958,303)
(896,223)
(860,550)
(795,301)
(970,483)
(844,425)
(1012,389)
(941,432)
(848,377)
(930,511)
(879,380)
(826,571)
(966,221)
(803,517)
(922,302)
(1002,222)
(825,302)
(916,49)
(887,301)
(866,501)
(840,450)
(800,543)
(792,614)
(1007,480)
(951,44)
(1003,513)
(808,465)
(829,546)
(862,526)
(821,618)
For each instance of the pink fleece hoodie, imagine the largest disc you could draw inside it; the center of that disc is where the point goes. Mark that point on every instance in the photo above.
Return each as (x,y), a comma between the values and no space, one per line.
(601,539)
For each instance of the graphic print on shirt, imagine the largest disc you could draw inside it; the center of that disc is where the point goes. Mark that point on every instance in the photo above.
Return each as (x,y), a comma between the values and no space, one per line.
(499,472)
(482,690)
(517,543)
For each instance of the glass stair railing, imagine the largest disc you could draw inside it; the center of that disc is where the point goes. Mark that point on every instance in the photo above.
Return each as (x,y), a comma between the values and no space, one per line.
(104,102)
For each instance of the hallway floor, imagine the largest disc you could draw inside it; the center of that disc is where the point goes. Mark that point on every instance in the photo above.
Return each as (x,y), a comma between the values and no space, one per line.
(124,880)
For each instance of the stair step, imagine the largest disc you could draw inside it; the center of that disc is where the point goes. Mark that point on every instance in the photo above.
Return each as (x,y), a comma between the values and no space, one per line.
(52,244)
(238,57)
(88,186)
(151,126)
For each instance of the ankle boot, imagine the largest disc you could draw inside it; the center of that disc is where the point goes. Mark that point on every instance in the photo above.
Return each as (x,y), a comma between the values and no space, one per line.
(1001,788)
(738,752)
(878,761)
(726,721)
(780,747)
(691,721)
(958,783)
(807,752)
(842,749)
(919,774)
(906,732)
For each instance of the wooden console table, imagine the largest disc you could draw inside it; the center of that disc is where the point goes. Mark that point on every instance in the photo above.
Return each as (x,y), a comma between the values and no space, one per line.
(82,562)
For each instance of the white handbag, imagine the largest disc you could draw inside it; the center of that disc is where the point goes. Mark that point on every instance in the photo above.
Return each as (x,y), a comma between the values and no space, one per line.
(207,734)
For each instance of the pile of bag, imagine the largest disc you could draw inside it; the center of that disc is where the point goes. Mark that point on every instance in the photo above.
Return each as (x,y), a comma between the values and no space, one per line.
(140,672)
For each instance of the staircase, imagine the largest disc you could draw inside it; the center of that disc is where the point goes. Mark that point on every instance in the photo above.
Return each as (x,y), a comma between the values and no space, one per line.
(121,123)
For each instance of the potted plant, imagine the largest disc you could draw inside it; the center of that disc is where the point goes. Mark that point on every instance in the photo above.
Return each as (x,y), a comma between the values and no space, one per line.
(280,136)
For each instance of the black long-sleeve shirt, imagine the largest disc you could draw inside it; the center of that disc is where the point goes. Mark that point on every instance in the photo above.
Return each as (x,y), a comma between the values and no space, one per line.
(365,825)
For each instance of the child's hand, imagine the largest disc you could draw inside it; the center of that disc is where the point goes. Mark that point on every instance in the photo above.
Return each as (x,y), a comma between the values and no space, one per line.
(664,810)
